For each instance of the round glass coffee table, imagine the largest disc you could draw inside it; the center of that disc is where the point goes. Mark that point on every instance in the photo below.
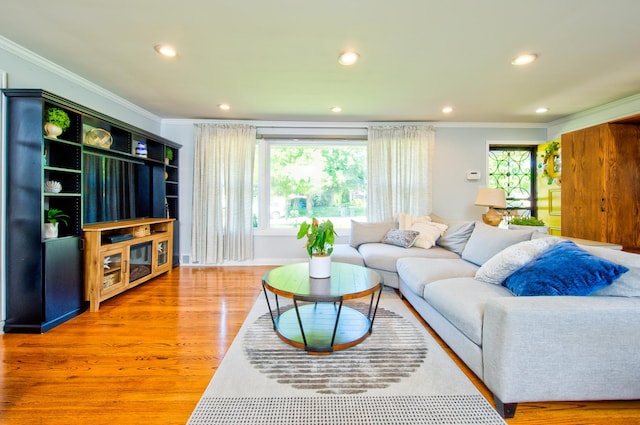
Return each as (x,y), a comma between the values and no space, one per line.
(319,321)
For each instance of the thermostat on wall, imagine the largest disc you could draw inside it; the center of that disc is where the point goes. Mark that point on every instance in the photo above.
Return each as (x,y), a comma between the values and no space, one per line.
(473,175)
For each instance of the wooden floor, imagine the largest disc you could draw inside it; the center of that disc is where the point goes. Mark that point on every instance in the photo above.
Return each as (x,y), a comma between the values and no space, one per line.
(147,356)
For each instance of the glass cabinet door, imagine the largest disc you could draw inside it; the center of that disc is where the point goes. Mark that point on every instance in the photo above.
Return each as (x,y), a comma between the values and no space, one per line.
(112,271)
(163,252)
(140,261)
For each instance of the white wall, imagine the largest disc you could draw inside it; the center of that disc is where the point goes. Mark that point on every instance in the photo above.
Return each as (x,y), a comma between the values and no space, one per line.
(458,148)
(3,207)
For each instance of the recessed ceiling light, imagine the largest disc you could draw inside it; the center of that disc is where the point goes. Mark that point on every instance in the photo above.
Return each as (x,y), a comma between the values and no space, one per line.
(524,59)
(165,50)
(224,106)
(542,110)
(336,109)
(447,110)
(348,58)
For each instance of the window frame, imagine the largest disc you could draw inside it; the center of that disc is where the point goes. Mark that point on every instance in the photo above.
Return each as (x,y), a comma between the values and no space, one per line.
(527,147)
(263,163)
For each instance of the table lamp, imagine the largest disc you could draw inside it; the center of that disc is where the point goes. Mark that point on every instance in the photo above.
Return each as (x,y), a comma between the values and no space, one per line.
(492,198)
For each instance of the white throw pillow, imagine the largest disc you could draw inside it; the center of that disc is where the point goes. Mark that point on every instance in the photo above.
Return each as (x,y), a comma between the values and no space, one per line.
(503,264)
(429,233)
(405,221)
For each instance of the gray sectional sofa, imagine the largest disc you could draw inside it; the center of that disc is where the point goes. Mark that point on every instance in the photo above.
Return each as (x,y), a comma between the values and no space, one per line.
(524,348)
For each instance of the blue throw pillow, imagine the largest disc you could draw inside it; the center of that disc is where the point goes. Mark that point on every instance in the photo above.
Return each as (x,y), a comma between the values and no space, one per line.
(564,269)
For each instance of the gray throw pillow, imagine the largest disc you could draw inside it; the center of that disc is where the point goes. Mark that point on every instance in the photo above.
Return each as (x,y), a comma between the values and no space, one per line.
(456,236)
(401,238)
(486,241)
(369,232)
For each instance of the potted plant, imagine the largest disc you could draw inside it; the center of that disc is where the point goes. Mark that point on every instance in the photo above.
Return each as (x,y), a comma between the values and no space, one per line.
(52,217)
(56,121)
(525,222)
(320,239)
(168,155)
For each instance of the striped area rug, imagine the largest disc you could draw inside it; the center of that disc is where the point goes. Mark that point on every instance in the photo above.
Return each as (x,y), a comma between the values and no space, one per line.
(398,375)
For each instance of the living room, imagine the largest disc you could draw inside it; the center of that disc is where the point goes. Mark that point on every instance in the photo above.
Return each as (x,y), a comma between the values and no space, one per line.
(462,138)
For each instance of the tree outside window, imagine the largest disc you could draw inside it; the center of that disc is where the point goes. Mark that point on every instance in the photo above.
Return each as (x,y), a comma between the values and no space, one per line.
(316,179)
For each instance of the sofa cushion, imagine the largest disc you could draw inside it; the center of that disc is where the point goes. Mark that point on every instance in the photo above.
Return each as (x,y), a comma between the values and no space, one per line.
(564,269)
(456,236)
(461,301)
(344,253)
(486,241)
(627,285)
(500,266)
(369,232)
(418,272)
(383,257)
(401,238)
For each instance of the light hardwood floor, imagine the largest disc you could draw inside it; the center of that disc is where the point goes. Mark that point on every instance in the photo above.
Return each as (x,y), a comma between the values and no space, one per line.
(148,354)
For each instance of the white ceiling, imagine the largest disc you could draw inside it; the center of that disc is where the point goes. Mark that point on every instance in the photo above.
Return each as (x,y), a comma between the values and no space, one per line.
(277,59)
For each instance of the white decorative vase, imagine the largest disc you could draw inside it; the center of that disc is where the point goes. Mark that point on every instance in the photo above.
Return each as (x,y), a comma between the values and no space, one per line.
(320,266)
(52,130)
(50,230)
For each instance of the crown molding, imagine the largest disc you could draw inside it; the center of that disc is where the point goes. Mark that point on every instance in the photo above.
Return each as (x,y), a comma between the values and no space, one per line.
(350,124)
(600,114)
(64,73)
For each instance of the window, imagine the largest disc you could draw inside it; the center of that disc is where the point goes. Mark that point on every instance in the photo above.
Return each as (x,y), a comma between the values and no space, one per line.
(310,178)
(512,168)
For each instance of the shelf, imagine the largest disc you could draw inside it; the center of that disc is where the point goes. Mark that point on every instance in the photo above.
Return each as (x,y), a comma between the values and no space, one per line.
(63,170)
(62,195)
(59,140)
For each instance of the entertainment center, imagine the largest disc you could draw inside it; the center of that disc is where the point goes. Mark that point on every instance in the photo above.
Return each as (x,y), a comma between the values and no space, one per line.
(122,254)
(103,175)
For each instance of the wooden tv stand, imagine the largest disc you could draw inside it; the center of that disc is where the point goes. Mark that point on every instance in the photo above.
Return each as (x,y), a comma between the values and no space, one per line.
(122,254)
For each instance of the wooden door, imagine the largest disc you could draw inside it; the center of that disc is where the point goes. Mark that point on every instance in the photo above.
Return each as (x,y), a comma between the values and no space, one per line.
(584,159)
(622,193)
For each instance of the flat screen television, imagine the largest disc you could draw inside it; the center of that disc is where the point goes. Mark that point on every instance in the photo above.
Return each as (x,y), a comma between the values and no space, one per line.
(115,189)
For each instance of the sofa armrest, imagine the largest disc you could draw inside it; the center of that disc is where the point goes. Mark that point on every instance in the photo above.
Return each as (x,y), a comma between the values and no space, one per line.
(562,348)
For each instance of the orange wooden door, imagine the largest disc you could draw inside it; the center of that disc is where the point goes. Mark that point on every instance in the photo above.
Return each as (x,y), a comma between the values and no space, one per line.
(584,159)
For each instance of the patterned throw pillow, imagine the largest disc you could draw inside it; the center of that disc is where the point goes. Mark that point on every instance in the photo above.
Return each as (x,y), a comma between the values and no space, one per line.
(503,264)
(401,238)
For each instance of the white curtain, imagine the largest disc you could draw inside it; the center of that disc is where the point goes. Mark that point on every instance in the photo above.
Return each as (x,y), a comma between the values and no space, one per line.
(222,193)
(399,168)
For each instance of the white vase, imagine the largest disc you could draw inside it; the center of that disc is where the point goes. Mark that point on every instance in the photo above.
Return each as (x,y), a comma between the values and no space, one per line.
(50,230)
(52,130)
(320,266)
